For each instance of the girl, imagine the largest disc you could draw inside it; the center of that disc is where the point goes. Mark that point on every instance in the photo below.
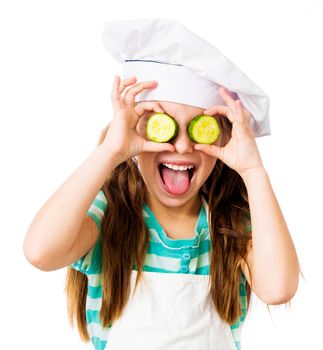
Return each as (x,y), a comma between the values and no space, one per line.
(164,257)
(177,234)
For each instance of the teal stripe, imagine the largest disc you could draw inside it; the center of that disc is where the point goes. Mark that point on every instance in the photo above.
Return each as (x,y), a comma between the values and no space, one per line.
(95,265)
(99,204)
(203,270)
(95,292)
(93,316)
(98,343)
(238,345)
(235,325)
(96,219)
(202,220)
(242,290)
(243,317)
(156,269)
(161,250)
(204,246)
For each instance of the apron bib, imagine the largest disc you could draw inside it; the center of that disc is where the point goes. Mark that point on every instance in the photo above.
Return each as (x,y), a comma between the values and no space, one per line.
(170,311)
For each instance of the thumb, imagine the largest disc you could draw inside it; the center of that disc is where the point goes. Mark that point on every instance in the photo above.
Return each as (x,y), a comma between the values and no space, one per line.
(210,150)
(151,146)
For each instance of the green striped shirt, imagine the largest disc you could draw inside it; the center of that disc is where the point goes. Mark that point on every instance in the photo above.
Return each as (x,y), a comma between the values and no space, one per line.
(164,255)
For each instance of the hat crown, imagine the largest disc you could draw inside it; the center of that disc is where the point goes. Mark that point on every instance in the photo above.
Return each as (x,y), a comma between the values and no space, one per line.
(166,51)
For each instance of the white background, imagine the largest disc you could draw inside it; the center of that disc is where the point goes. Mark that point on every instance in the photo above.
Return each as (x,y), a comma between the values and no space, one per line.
(55,84)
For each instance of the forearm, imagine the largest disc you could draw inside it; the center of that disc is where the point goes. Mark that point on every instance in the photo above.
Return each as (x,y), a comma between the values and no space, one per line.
(274,258)
(57,223)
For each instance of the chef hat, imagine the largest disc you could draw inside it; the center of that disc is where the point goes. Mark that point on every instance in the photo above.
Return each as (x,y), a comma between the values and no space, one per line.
(187,68)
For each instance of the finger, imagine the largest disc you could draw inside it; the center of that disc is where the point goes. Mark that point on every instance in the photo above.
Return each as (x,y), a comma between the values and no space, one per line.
(115,96)
(211,150)
(220,109)
(126,82)
(235,105)
(148,106)
(243,114)
(225,94)
(129,97)
(150,146)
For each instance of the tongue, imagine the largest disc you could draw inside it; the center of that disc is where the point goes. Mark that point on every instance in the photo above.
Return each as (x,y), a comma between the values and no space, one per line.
(176,181)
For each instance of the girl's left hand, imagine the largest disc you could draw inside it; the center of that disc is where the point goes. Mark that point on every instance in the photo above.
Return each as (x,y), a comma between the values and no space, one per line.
(241,152)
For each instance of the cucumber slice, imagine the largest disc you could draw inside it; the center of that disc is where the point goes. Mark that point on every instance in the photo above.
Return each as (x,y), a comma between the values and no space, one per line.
(203,129)
(161,127)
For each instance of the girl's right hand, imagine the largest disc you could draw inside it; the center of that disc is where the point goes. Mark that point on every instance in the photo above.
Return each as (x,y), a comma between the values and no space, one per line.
(122,137)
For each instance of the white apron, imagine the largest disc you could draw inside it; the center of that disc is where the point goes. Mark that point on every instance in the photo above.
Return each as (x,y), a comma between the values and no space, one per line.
(170,311)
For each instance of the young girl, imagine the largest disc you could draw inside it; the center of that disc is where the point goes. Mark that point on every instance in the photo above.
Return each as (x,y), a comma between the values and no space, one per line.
(166,256)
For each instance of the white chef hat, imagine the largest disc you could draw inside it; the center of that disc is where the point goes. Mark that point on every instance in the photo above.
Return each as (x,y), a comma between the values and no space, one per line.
(187,68)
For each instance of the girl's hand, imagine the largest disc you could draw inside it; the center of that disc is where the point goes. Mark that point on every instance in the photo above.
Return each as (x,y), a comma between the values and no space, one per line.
(122,137)
(241,152)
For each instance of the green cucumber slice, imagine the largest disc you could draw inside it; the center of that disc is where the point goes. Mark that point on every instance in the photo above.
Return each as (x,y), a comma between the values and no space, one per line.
(203,129)
(161,127)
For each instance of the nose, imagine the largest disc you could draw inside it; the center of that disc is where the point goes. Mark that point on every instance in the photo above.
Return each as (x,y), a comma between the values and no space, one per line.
(183,143)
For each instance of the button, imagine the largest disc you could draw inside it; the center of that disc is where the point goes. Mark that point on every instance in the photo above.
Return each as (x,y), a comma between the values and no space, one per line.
(185,268)
(186,256)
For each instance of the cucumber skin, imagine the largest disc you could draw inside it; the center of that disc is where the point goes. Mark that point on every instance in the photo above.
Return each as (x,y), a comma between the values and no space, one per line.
(191,126)
(175,131)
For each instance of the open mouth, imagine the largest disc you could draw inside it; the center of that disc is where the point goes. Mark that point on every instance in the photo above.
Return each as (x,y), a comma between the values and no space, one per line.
(191,171)
(176,179)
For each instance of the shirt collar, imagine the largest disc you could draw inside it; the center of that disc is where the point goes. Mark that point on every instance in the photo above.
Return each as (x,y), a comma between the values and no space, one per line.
(158,234)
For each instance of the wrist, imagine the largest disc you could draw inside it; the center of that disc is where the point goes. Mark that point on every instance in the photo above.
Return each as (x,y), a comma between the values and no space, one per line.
(112,159)
(251,174)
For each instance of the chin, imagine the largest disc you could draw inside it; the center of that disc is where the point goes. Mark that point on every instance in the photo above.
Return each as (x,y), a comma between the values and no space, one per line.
(161,194)
(174,202)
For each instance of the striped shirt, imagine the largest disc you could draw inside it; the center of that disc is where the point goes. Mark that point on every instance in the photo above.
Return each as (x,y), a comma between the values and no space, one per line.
(164,255)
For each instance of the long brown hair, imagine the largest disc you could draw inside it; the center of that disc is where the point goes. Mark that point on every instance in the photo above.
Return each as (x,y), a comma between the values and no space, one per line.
(229,218)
